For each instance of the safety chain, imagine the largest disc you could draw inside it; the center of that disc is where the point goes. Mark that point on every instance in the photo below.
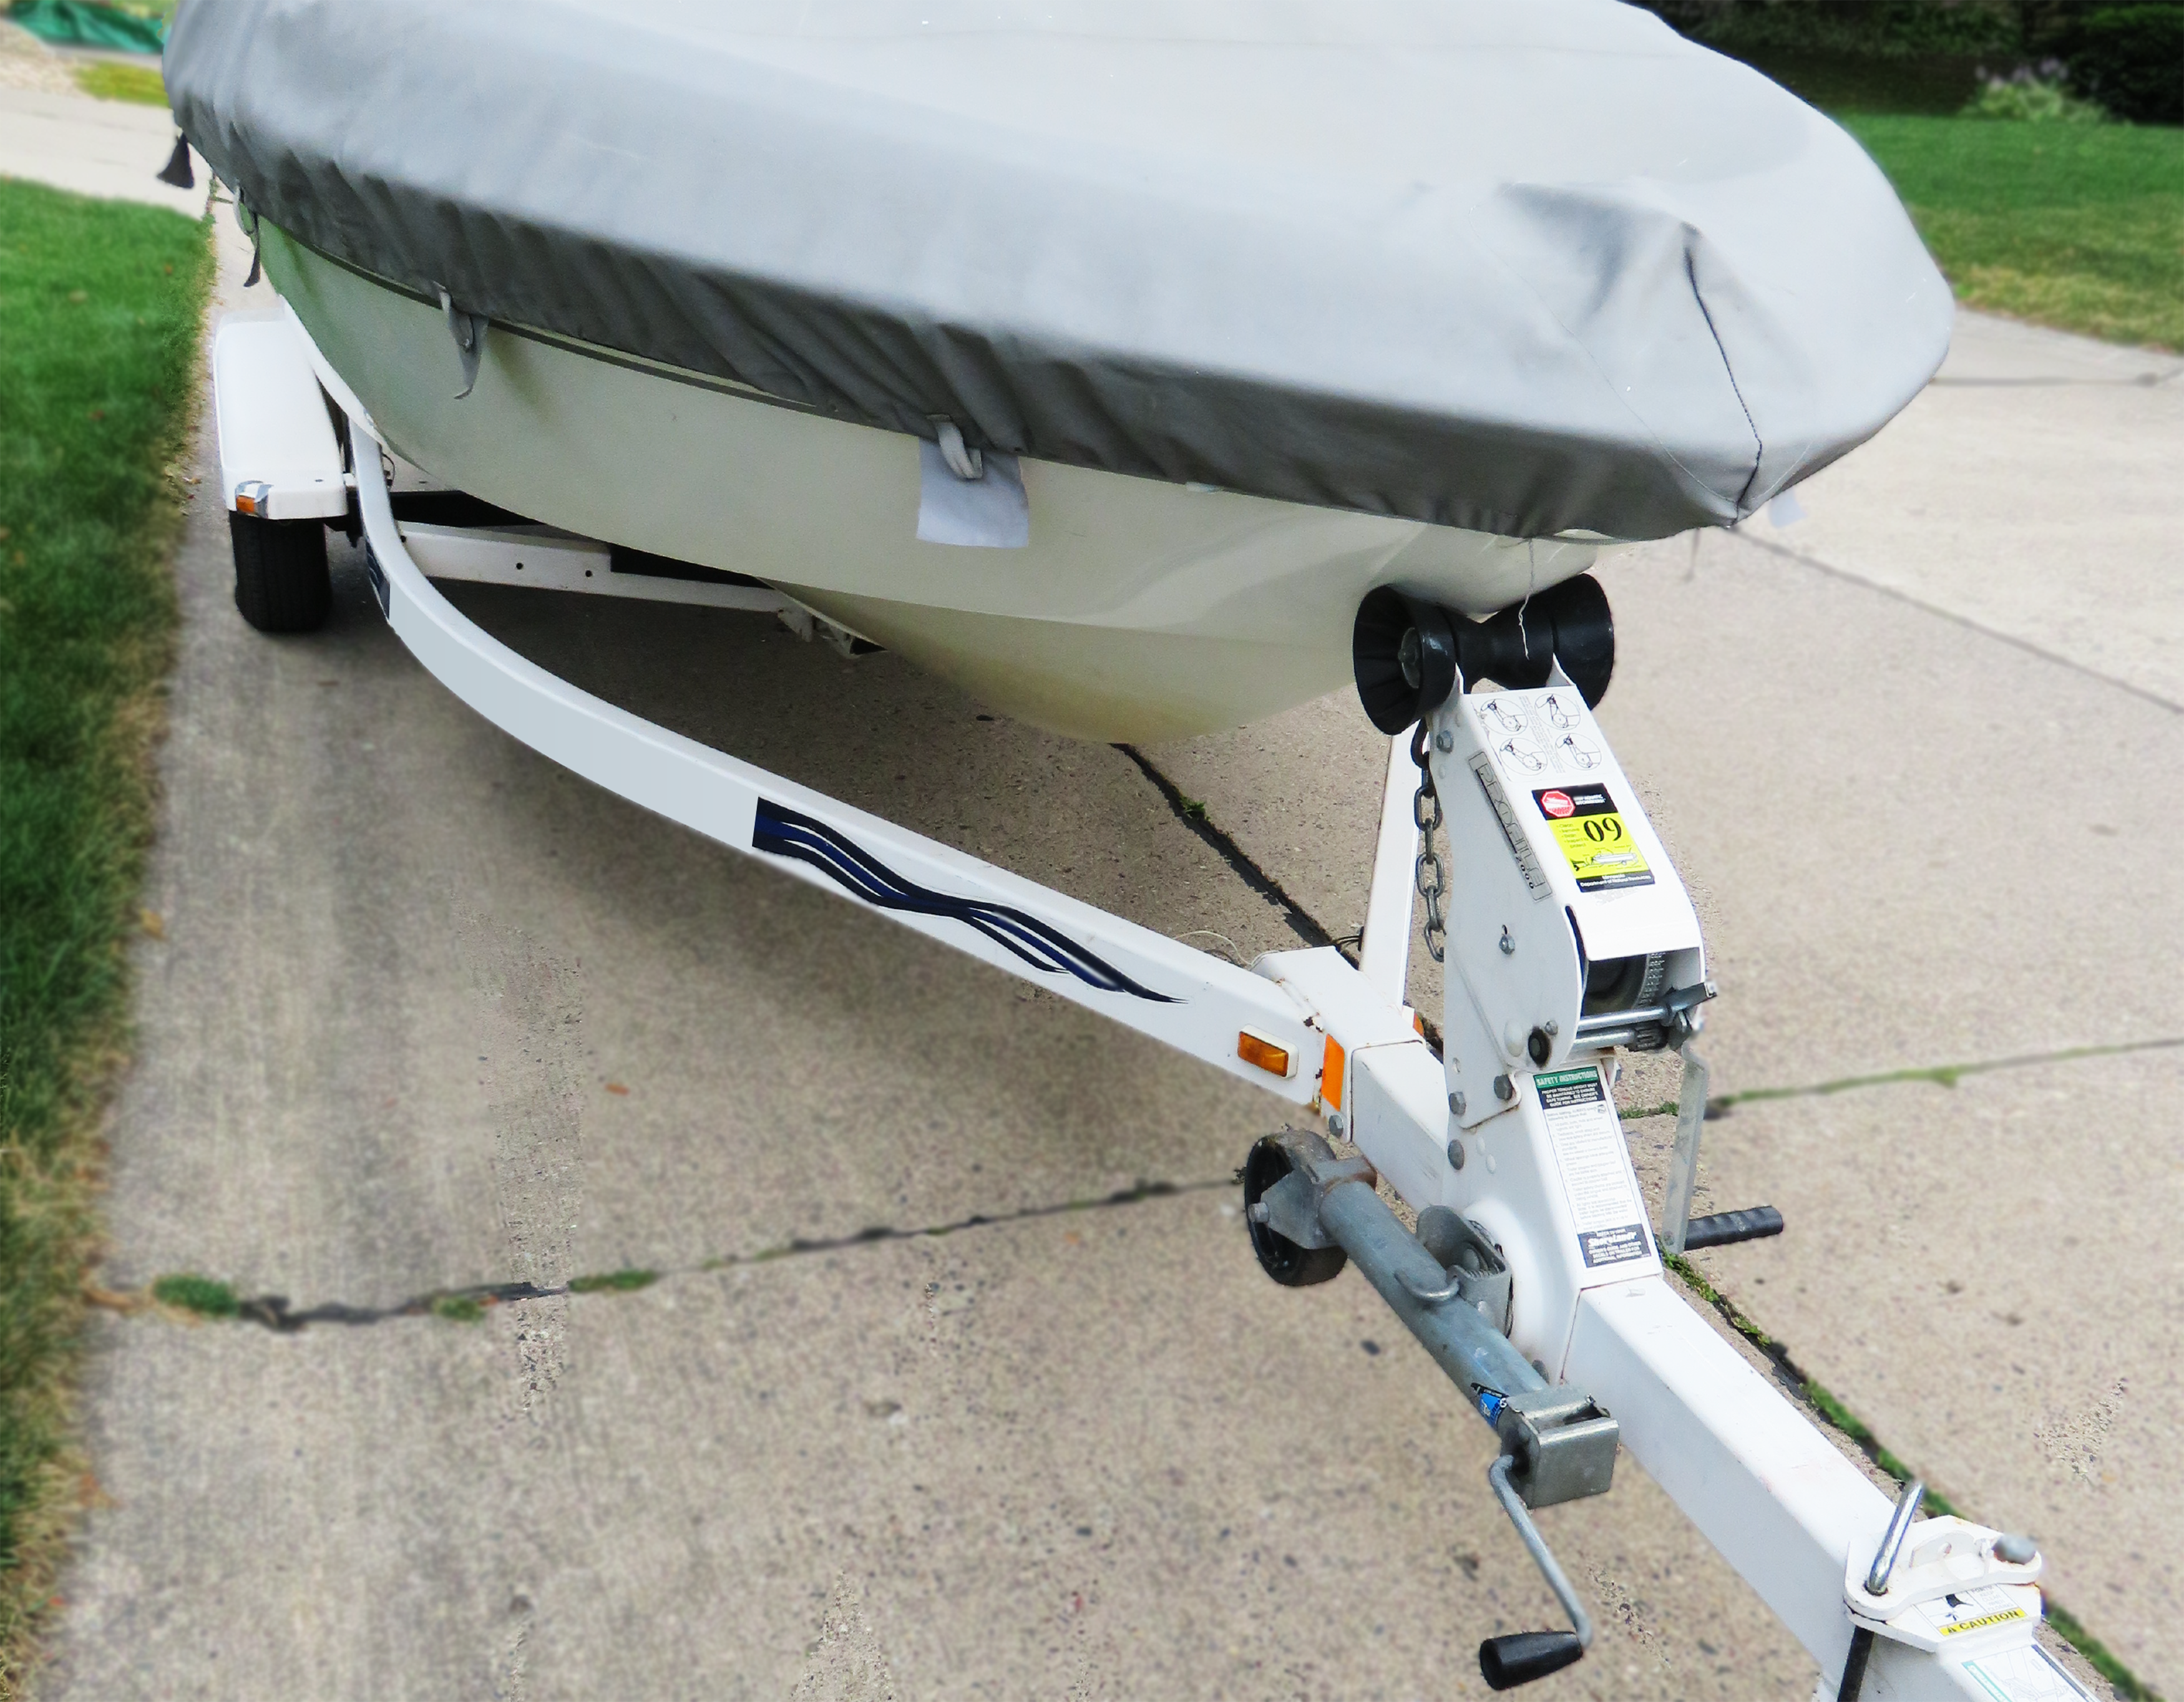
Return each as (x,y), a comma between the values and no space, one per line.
(1429,877)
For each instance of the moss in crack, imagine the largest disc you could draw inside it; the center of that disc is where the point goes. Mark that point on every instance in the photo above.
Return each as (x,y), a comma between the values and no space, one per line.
(614,1283)
(1936,1075)
(1856,1429)
(459,1308)
(2066,1624)
(203,1295)
(2127,1685)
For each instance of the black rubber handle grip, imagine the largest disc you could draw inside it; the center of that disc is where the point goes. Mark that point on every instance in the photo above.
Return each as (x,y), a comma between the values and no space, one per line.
(1726,1228)
(1505,1662)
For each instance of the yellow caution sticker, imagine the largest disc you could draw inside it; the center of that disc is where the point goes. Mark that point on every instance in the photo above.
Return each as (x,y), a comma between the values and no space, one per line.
(1590,831)
(1952,1627)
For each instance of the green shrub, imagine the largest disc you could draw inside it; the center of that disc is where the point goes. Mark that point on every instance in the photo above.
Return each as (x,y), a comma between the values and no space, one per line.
(1870,29)
(2131,59)
(2034,97)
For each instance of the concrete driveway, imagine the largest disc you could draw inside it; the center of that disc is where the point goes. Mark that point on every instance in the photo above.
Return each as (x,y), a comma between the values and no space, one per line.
(428,1012)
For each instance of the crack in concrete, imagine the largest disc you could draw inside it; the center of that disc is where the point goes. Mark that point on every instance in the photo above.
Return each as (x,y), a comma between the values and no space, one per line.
(1953,617)
(273,1312)
(1810,1393)
(211,1298)
(205,1297)
(1307,927)
(1939,1075)
(1192,815)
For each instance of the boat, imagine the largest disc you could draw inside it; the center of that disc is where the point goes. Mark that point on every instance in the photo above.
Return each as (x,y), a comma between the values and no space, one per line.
(1099,358)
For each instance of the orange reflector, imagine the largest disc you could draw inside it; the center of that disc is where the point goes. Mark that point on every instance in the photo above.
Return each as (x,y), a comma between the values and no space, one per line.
(1418,1022)
(245,504)
(1262,1054)
(1331,1075)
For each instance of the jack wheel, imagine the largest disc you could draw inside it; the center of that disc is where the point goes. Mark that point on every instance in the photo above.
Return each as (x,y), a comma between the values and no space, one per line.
(281,580)
(1290,1265)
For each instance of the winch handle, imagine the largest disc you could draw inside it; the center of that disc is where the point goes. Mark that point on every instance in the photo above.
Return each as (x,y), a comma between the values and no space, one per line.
(1505,1662)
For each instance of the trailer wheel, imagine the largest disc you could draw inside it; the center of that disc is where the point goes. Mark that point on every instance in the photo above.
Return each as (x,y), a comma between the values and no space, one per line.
(1290,1265)
(281,579)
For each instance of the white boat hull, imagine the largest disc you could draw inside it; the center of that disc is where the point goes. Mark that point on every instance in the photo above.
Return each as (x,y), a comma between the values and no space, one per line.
(1140,611)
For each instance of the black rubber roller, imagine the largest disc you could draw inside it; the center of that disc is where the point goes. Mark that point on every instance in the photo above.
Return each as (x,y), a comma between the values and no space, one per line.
(1505,1662)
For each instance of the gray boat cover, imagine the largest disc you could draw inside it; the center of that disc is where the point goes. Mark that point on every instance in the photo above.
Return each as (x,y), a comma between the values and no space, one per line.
(1528,266)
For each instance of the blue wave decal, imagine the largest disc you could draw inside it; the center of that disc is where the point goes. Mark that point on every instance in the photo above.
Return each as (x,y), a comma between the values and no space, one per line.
(784,833)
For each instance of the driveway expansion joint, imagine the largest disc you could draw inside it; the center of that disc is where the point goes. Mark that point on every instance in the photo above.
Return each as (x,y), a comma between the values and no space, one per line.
(201,1298)
(1955,618)
(1193,815)
(1936,1074)
(1826,1408)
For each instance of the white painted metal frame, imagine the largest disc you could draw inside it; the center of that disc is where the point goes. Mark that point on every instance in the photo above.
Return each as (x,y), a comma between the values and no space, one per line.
(278,458)
(1780,1501)
(1141,979)
(543,559)
(1383,949)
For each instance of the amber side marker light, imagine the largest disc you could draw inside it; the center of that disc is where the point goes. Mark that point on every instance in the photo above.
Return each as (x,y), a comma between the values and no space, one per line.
(1262,1054)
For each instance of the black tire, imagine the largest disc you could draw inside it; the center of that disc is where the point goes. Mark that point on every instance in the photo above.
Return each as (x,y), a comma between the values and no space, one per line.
(281,579)
(1290,1265)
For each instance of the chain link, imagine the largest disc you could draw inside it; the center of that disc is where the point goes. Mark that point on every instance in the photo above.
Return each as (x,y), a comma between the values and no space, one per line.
(1429,877)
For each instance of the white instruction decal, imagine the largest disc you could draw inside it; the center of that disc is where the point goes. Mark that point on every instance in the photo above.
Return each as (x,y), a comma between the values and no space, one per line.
(2025,1675)
(1537,734)
(1595,1169)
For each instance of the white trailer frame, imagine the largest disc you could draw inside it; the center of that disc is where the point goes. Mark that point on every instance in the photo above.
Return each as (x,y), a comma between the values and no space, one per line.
(1780,1501)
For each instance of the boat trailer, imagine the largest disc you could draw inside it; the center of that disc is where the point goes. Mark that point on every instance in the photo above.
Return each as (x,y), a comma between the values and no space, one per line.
(1523,1260)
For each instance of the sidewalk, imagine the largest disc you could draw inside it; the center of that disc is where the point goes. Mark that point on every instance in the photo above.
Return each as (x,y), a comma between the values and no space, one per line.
(112,149)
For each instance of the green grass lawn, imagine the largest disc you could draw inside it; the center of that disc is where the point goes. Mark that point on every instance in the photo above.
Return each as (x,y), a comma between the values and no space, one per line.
(110,80)
(100,303)
(2076,226)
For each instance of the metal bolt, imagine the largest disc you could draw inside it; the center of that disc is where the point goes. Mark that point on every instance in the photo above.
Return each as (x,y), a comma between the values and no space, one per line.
(1336,1123)
(1508,945)
(1444,741)
(1455,1104)
(2015,1549)
(1504,1088)
(1456,1154)
(1259,1212)
(1550,1025)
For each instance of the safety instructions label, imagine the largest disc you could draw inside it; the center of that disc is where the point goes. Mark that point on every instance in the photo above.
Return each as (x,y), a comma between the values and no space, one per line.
(1595,1169)
(1590,831)
(2025,1675)
(1537,735)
